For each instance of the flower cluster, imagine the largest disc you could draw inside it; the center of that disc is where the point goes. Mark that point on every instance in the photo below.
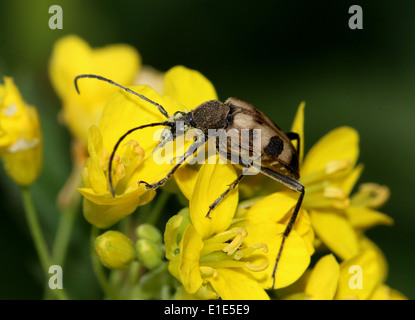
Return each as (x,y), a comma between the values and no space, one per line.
(229,254)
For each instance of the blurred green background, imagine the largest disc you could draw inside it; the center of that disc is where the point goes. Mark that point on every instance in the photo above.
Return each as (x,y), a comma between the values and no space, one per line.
(273,54)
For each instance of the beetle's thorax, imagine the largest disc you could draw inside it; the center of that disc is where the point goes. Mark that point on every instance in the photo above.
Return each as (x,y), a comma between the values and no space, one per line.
(211,114)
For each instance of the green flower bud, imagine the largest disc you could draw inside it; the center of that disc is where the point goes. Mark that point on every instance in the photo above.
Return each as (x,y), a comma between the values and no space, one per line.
(149,253)
(114,249)
(149,232)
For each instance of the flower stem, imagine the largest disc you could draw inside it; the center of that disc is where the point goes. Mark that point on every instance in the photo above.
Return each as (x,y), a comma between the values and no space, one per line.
(158,207)
(39,241)
(64,231)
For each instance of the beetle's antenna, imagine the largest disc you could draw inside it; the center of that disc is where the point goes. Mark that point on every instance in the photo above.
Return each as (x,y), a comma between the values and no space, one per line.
(165,123)
(94,76)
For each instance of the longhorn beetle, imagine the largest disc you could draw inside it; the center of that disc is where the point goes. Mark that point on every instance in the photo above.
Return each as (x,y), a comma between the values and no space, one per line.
(279,160)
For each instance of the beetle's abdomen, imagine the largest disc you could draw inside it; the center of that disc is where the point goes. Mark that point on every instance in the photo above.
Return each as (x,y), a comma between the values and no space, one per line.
(277,151)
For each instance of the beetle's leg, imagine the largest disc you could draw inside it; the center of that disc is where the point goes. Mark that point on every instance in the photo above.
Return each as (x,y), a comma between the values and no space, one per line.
(223,195)
(294,136)
(293,185)
(182,159)
(195,140)
(228,155)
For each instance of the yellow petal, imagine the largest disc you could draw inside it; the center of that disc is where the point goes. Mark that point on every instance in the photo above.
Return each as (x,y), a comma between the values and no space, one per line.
(304,228)
(73,56)
(152,77)
(104,211)
(189,87)
(367,244)
(25,165)
(203,293)
(97,178)
(359,276)
(278,207)
(125,111)
(107,199)
(350,180)
(298,127)
(339,144)
(190,249)
(294,260)
(336,232)
(396,295)
(384,292)
(153,170)
(186,178)
(272,208)
(70,57)
(17,120)
(212,181)
(125,62)
(322,284)
(363,218)
(236,284)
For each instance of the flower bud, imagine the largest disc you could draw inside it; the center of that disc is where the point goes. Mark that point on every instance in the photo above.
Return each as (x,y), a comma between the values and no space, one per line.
(148,232)
(20,135)
(114,249)
(149,253)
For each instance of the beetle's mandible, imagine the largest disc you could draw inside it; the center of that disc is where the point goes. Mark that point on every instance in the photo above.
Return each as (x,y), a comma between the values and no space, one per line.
(278,159)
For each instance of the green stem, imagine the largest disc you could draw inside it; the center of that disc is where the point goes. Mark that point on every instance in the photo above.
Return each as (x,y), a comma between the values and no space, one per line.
(98,269)
(158,207)
(64,232)
(39,241)
(68,204)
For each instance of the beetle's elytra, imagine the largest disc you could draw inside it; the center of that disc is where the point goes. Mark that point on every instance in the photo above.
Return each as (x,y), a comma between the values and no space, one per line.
(278,158)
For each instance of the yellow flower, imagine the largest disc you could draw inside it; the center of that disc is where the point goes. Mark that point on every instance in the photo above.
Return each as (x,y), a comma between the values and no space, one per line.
(263,222)
(266,222)
(114,249)
(361,277)
(134,160)
(323,279)
(213,258)
(72,56)
(329,173)
(370,264)
(20,135)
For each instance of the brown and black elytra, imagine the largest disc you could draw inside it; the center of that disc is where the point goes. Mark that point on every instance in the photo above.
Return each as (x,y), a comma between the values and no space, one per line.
(278,158)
